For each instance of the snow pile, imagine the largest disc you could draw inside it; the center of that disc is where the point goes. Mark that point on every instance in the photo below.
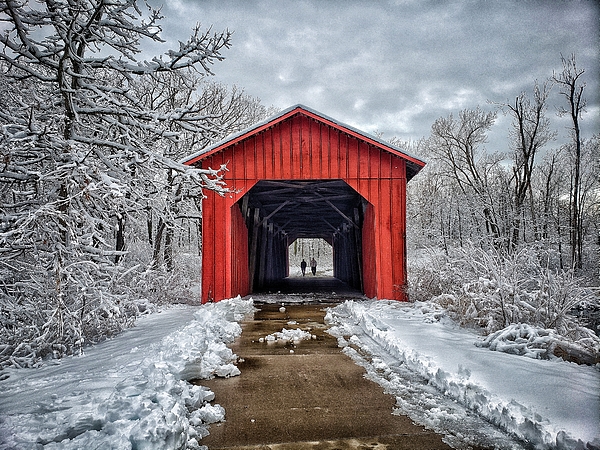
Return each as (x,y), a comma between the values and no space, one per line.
(291,335)
(540,343)
(130,392)
(549,404)
(521,339)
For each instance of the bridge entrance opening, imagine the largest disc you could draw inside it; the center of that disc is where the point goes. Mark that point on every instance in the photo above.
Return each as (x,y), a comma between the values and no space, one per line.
(282,213)
(304,249)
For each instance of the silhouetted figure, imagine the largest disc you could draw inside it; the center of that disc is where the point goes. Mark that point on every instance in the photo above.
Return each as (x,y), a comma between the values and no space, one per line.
(313,266)
(303,267)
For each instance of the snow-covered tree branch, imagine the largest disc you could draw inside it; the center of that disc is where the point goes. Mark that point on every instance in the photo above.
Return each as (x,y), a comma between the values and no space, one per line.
(89,137)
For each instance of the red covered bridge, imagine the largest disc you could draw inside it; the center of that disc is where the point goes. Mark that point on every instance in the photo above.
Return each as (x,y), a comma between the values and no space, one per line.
(301,174)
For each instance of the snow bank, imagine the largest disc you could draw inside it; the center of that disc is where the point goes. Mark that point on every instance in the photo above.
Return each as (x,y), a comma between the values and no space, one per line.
(550,404)
(130,392)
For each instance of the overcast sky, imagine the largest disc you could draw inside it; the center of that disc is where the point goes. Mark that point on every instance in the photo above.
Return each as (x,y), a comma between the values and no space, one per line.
(395,66)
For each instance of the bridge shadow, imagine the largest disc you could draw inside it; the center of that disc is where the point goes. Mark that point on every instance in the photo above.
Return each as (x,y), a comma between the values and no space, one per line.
(311,288)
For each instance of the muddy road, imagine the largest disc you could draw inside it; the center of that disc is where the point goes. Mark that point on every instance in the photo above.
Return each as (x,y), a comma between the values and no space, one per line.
(305,394)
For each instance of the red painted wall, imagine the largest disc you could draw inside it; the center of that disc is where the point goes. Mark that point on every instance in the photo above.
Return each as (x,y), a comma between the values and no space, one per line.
(305,147)
(240,282)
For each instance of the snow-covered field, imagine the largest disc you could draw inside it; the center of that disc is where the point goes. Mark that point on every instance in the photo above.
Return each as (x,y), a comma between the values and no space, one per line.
(548,404)
(131,392)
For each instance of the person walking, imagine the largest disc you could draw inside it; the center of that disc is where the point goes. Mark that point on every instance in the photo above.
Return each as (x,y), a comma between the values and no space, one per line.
(303,267)
(313,266)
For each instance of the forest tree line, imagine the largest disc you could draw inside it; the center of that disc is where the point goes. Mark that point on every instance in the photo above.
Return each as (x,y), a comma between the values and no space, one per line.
(531,194)
(514,236)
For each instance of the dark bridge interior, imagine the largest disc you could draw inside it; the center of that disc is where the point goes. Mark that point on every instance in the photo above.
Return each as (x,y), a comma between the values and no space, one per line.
(277,212)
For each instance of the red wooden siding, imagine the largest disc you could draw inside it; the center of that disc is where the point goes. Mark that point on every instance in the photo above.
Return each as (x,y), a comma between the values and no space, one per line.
(240,283)
(369,253)
(303,146)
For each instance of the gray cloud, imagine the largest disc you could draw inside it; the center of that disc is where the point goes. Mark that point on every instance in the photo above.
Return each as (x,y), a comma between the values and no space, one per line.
(394,67)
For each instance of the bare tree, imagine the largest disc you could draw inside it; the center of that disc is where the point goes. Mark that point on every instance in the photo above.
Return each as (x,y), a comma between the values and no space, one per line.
(530,132)
(572,87)
(457,143)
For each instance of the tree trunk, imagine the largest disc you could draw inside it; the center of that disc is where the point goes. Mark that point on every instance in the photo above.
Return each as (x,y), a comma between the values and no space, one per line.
(120,240)
(576,230)
(149,225)
(158,243)
(572,88)
(168,253)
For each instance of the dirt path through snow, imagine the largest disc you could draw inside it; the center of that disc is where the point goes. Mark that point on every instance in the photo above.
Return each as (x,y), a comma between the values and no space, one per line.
(305,394)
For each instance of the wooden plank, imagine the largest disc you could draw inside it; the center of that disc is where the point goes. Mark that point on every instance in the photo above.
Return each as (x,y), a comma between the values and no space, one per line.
(315,150)
(364,169)
(398,167)
(232,243)
(262,255)
(269,153)
(325,152)
(241,255)
(235,177)
(286,149)
(279,152)
(343,156)
(398,239)
(385,165)
(235,275)
(287,258)
(374,162)
(334,153)
(360,185)
(296,148)
(222,242)
(403,219)
(259,155)
(353,159)
(251,159)
(208,251)
(236,164)
(374,199)
(304,148)
(244,150)
(253,250)
(369,253)
(271,255)
(386,257)
(363,160)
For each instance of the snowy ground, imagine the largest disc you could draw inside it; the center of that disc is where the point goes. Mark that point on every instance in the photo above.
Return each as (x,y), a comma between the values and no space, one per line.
(417,354)
(131,392)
